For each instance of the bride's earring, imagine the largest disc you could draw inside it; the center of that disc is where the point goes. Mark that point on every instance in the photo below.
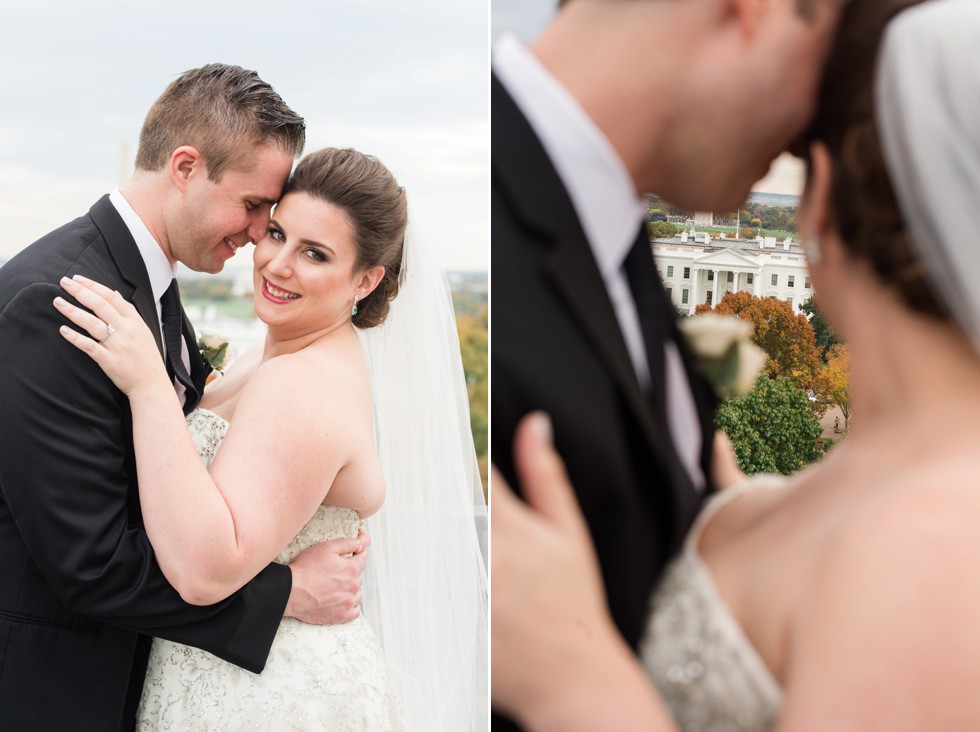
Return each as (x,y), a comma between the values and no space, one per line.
(353,310)
(812,248)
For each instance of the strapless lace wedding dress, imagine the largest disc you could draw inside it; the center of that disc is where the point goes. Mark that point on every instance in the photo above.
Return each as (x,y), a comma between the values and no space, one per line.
(318,677)
(702,663)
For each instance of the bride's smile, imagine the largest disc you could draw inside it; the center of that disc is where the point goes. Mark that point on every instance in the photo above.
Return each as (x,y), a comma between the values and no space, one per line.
(277,294)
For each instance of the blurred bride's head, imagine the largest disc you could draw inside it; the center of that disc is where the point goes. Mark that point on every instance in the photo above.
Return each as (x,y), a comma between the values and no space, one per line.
(335,241)
(857,238)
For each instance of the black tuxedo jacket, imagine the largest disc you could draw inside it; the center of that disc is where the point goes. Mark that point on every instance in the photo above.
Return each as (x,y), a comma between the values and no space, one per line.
(80,591)
(557,347)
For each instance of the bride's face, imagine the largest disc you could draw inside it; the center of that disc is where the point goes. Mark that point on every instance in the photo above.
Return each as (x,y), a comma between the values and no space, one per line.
(304,274)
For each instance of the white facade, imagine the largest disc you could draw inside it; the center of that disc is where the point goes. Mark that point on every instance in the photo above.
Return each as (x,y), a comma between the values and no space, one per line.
(697,268)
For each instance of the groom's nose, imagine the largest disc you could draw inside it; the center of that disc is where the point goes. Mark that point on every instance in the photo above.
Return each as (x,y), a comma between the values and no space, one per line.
(258,223)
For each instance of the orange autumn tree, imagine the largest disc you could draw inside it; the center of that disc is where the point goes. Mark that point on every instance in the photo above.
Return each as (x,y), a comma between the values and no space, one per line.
(834,384)
(786,337)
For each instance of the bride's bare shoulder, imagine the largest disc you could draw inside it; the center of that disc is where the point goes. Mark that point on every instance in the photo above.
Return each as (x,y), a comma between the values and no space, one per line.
(313,378)
(892,610)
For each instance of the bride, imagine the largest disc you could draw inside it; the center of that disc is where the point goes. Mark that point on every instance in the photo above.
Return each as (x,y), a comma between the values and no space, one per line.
(845,598)
(295,420)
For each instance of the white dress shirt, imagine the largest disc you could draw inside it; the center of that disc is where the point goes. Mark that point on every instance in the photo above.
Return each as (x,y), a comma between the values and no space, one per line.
(610,211)
(158,268)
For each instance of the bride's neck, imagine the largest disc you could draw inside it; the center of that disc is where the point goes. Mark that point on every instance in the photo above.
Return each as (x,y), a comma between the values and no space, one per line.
(281,342)
(906,367)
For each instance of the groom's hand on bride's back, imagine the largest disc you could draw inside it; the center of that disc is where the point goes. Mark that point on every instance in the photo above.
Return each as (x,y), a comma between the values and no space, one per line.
(327,581)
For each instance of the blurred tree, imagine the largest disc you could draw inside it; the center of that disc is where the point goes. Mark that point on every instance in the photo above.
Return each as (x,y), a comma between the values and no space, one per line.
(823,333)
(785,336)
(473,343)
(833,384)
(772,428)
(661,230)
(206,288)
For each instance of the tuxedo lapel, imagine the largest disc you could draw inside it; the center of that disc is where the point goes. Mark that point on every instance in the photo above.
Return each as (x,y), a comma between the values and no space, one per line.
(128,260)
(530,182)
(200,369)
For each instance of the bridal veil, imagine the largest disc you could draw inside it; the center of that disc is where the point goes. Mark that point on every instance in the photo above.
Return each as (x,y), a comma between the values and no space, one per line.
(425,586)
(927,100)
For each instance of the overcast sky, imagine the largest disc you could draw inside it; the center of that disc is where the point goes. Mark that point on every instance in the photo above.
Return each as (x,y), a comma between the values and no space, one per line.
(525,19)
(406,81)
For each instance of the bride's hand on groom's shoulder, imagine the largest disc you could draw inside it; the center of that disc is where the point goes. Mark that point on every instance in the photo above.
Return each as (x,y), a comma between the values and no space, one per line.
(113,334)
(327,581)
(725,471)
(547,598)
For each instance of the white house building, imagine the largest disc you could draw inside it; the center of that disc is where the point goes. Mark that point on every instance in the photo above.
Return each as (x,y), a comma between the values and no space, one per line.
(697,268)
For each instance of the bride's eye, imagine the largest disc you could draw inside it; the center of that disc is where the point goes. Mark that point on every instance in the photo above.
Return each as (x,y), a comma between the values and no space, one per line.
(315,254)
(277,234)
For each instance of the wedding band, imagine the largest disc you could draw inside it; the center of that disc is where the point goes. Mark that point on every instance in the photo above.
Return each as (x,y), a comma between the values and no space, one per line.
(110,329)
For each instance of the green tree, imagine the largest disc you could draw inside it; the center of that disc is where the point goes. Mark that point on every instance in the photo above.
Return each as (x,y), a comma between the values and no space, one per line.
(823,334)
(772,428)
(661,229)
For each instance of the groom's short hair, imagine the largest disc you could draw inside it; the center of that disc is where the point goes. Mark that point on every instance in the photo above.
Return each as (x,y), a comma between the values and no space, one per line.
(224,112)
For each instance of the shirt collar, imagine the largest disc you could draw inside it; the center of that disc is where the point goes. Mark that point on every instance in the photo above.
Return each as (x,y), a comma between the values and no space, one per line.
(602,192)
(159,270)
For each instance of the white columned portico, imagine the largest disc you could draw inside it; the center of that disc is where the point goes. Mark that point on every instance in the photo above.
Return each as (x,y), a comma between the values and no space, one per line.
(757,283)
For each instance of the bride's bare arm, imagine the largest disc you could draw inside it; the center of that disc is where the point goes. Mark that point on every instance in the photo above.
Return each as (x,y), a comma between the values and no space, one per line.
(558,661)
(212,532)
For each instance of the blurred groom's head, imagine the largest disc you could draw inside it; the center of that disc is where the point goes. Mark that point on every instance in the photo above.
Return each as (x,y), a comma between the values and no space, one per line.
(697,96)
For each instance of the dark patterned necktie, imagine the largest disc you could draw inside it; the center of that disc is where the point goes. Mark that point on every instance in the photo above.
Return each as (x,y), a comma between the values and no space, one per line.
(642,276)
(173,336)
(654,312)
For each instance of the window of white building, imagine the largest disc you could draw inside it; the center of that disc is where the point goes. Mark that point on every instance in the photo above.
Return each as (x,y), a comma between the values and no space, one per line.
(670,270)
(687,273)
(792,280)
(775,280)
(684,296)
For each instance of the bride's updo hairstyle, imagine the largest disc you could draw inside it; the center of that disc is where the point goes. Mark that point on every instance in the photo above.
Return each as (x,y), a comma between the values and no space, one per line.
(863,204)
(378,211)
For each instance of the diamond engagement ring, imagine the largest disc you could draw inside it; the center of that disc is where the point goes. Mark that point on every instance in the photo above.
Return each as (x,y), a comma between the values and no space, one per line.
(109,330)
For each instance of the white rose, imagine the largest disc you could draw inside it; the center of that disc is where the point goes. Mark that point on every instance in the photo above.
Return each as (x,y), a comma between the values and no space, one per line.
(212,340)
(710,335)
(725,354)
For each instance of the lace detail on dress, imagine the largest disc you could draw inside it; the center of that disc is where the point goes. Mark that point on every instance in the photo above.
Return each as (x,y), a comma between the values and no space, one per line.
(330,677)
(705,668)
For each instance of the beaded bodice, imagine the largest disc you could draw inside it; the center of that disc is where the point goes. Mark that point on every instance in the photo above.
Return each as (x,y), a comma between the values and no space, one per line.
(317,677)
(702,663)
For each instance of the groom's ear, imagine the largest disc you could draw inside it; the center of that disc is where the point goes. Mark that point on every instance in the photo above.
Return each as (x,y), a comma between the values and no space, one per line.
(185,163)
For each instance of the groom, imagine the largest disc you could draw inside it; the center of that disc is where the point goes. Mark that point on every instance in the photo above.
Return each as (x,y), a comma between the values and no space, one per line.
(80,591)
(617,98)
